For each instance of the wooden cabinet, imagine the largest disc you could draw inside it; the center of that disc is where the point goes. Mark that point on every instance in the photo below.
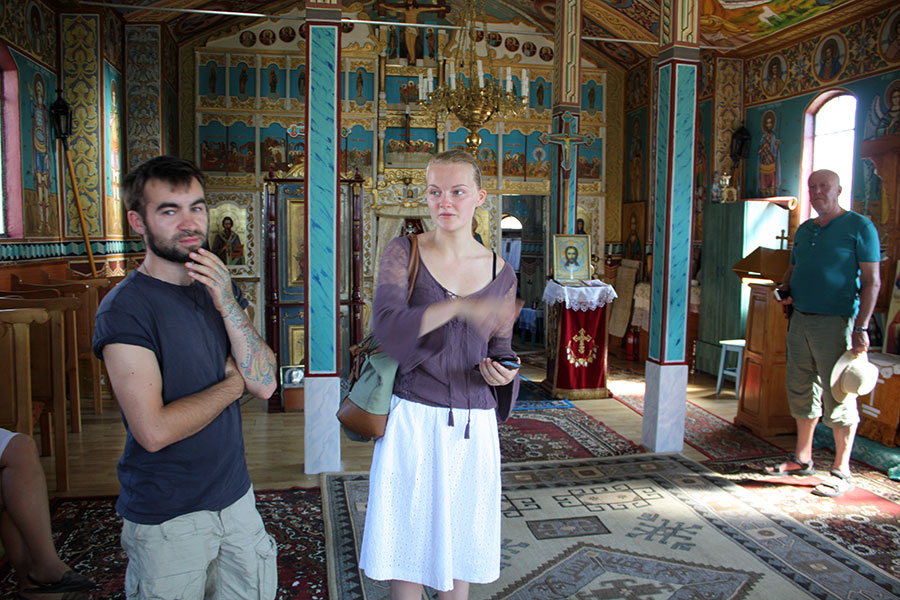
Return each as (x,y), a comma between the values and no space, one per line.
(762,405)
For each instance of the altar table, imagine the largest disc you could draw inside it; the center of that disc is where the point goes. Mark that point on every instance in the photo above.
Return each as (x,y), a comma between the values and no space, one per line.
(577,326)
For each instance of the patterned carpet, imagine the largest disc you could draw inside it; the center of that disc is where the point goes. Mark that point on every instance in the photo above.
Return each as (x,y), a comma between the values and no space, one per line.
(712,435)
(644,526)
(559,434)
(87,537)
(866,520)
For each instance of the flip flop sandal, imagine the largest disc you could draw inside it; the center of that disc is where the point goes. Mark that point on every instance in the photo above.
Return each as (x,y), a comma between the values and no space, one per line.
(779,470)
(840,485)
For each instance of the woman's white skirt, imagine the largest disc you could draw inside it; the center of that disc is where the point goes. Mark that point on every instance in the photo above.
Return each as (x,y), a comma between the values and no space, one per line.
(434,498)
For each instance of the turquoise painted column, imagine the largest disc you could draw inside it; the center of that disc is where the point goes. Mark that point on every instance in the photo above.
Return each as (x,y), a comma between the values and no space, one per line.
(322,441)
(666,368)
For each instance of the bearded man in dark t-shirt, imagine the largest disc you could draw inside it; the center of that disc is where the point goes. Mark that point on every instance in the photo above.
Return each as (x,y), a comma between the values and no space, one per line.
(180,350)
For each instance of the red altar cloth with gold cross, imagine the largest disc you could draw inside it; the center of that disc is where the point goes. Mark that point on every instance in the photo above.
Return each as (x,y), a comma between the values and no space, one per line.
(577,364)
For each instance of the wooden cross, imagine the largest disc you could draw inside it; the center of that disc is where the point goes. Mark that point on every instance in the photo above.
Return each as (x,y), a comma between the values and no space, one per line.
(409,10)
(566,139)
(581,338)
(782,240)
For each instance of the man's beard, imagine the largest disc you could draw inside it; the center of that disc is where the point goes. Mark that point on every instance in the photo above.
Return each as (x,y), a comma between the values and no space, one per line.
(170,251)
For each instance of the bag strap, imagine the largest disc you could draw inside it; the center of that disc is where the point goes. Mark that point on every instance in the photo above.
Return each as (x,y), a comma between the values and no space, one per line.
(494,274)
(412,269)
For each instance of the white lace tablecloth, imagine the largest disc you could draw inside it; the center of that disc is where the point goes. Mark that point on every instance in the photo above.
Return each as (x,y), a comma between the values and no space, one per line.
(588,297)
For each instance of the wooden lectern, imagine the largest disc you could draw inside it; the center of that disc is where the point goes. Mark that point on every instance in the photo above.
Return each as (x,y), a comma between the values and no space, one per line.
(762,402)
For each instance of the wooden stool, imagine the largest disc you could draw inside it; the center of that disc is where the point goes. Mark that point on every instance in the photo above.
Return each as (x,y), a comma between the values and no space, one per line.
(736,347)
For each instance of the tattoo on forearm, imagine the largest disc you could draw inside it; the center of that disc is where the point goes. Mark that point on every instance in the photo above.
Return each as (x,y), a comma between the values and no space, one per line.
(254,364)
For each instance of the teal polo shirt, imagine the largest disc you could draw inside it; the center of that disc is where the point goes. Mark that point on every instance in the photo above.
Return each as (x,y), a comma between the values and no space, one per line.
(826,261)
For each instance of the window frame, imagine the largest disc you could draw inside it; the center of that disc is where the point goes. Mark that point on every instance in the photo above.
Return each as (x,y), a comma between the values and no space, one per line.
(809,135)
(11,150)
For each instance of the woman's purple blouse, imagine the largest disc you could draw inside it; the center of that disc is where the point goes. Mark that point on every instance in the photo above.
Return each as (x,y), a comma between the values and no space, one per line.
(438,368)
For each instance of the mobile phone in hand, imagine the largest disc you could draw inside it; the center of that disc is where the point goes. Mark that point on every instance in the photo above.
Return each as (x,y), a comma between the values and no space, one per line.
(781,295)
(507,361)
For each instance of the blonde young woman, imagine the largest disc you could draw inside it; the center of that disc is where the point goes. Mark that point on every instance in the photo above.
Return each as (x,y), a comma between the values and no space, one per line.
(433,515)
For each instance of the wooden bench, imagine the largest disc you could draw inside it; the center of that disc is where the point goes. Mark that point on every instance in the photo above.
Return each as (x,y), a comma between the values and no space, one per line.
(15,361)
(90,300)
(48,375)
(76,323)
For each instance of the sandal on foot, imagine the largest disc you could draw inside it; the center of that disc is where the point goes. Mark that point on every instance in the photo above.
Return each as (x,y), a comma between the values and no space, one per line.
(837,487)
(780,469)
(69,582)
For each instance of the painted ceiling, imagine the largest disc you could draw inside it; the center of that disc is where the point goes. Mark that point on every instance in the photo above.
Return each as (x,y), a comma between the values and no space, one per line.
(621,32)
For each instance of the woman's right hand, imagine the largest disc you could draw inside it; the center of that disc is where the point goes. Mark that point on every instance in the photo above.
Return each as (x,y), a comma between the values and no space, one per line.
(489,315)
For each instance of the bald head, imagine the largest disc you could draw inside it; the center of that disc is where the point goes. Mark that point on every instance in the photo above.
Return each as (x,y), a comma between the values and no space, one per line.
(824,189)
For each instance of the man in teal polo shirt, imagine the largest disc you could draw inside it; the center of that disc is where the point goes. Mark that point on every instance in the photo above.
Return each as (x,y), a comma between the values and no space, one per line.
(832,283)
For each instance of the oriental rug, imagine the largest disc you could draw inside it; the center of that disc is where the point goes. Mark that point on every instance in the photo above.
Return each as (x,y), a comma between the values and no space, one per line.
(87,538)
(866,520)
(559,434)
(710,434)
(644,526)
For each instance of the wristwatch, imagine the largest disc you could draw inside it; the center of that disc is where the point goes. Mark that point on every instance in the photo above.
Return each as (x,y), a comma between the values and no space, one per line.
(857,329)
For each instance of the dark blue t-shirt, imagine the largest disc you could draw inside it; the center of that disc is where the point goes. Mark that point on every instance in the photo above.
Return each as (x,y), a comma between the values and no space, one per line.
(180,324)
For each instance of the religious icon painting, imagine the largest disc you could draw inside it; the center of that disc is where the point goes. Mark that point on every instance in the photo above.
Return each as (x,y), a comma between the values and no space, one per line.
(232,230)
(831,56)
(479,35)
(571,257)
(546,54)
(774,75)
(287,34)
(512,44)
(248,39)
(346,27)
(35,28)
(302,31)
(529,49)
(890,37)
(267,37)
(494,40)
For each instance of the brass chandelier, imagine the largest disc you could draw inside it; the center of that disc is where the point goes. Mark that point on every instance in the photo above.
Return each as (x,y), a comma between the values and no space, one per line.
(469,89)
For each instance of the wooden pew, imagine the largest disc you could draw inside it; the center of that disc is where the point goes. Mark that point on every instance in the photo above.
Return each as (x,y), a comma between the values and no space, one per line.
(90,300)
(48,373)
(75,324)
(15,360)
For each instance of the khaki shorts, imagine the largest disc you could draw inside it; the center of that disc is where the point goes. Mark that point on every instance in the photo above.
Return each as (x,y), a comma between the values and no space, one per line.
(220,555)
(814,345)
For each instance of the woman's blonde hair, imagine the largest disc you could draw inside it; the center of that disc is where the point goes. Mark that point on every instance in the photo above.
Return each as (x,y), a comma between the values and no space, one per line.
(458,157)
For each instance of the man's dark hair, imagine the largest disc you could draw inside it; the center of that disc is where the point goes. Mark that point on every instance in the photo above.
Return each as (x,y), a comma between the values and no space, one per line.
(173,170)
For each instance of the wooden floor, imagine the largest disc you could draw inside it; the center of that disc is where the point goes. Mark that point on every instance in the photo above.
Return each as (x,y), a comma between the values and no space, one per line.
(274,442)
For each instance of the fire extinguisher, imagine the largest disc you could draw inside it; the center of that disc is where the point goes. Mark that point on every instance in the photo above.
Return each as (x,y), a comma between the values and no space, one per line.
(630,350)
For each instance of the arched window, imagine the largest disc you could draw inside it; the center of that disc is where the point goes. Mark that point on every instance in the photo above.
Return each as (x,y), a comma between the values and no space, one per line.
(11,222)
(510,222)
(830,143)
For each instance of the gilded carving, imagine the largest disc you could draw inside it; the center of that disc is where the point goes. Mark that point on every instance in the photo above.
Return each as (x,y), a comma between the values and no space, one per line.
(236,59)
